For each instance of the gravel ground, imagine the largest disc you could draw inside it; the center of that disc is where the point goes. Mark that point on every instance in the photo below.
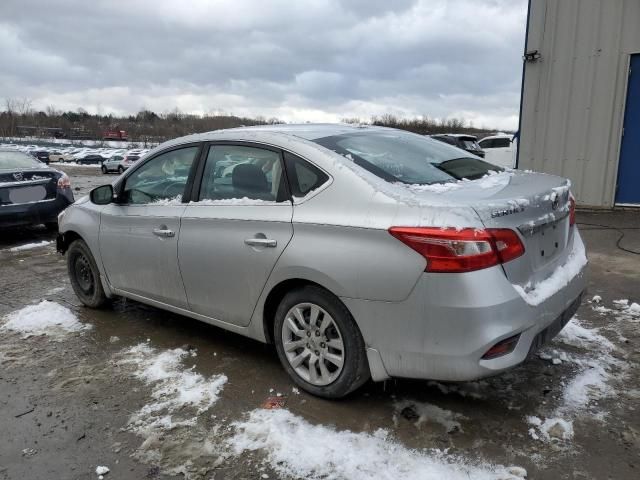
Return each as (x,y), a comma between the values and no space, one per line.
(76,400)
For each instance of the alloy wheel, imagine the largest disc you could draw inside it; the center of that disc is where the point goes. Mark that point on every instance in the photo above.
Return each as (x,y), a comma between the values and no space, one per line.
(312,343)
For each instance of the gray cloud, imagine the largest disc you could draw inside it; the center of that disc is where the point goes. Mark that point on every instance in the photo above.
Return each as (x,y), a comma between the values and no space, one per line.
(311,60)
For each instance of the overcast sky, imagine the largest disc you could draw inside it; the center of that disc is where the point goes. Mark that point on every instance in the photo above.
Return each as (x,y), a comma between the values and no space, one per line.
(298,60)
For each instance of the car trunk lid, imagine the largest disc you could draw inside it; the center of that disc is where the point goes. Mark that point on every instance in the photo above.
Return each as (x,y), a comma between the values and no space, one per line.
(26,186)
(535,205)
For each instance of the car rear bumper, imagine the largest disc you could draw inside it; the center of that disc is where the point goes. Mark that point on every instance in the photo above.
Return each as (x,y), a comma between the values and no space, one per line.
(34,213)
(449,321)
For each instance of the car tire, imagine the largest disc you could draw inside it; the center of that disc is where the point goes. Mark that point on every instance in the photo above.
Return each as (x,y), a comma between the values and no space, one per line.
(104,170)
(120,169)
(331,381)
(51,226)
(84,275)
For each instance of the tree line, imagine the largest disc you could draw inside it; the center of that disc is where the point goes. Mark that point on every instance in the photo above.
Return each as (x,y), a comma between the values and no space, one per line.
(18,118)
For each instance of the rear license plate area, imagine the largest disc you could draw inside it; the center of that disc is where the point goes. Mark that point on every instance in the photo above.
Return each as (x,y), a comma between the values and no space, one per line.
(35,193)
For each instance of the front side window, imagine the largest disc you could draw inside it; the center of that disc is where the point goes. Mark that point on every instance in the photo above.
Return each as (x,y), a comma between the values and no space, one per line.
(162,178)
(237,172)
(407,158)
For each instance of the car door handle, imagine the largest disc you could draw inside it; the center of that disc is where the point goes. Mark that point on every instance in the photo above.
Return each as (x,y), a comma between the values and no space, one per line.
(261,242)
(164,232)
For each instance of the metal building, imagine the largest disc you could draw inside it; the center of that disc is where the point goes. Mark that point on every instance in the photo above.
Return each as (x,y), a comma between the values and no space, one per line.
(580,111)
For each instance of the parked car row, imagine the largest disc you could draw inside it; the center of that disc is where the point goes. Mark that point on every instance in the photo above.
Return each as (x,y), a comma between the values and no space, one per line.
(116,160)
(499,149)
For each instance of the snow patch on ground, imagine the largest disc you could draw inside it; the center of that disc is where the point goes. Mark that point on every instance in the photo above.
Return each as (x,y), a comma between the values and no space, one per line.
(294,447)
(178,393)
(479,390)
(551,429)
(597,368)
(29,246)
(175,436)
(626,310)
(560,278)
(623,309)
(55,290)
(45,318)
(577,335)
(427,412)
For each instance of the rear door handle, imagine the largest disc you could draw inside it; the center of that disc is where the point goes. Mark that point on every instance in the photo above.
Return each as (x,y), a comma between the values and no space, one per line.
(261,242)
(164,232)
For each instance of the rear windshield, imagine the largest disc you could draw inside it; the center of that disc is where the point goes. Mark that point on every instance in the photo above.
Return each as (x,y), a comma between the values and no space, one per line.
(18,160)
(407,158)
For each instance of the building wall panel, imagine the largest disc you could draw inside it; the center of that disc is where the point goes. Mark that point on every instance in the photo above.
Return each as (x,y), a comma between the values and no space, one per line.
(574,96)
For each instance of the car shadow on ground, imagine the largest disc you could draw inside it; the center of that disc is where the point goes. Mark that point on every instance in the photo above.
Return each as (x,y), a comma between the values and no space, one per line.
(15,237)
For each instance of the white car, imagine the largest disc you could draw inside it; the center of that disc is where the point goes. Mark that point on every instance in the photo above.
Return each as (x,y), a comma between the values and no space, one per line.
(500,149)
(58,156)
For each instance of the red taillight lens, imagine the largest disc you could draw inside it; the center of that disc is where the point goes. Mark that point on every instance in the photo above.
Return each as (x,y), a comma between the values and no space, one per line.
(465,250)
(64,182)
(572,210)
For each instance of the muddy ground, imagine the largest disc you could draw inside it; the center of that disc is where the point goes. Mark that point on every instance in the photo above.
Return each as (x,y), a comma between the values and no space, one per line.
(66,404)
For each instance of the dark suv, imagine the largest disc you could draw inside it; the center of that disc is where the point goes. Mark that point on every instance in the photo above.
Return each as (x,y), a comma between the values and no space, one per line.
(41,155)
(465,142)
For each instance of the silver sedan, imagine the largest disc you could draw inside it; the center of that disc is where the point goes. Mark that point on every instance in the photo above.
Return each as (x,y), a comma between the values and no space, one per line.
(360,252)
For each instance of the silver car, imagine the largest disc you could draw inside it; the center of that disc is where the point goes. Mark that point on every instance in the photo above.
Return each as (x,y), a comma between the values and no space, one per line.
(360,252)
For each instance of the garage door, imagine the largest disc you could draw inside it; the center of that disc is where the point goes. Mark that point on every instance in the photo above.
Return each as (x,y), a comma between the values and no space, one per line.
(628,191)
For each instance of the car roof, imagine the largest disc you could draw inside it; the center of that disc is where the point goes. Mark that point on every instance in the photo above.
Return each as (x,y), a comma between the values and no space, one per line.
(499,135)
(306,131)
(456,135)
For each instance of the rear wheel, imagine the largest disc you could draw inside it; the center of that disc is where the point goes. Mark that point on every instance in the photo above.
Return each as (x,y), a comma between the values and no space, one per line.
(104,169)
(319,343)
(84,275)
(120,169)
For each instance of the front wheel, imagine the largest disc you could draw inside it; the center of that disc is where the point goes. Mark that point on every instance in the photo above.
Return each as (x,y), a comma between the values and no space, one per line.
(104,169)
(84,275)
(319,343)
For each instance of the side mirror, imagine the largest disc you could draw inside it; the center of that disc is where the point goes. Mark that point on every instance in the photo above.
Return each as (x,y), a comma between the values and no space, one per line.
(102,195)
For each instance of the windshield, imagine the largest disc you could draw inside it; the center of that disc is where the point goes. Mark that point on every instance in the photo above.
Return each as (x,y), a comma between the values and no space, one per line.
(16,160)
(470,144)
(407,158)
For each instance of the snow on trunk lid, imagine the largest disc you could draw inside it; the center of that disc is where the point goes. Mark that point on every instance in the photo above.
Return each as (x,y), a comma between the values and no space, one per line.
(537,206)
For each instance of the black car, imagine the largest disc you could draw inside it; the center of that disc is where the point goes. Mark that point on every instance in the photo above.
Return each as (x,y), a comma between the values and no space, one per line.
(92,158)
(41,155)
(31,193)
(468,143)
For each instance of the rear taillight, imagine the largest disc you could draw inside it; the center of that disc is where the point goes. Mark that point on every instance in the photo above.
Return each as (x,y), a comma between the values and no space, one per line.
(64,182)
(572,210)
(452,250)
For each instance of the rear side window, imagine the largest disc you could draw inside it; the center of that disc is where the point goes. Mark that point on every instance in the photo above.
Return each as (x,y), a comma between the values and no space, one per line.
(501,143)
(303,176)
(488,143)
(237,172)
